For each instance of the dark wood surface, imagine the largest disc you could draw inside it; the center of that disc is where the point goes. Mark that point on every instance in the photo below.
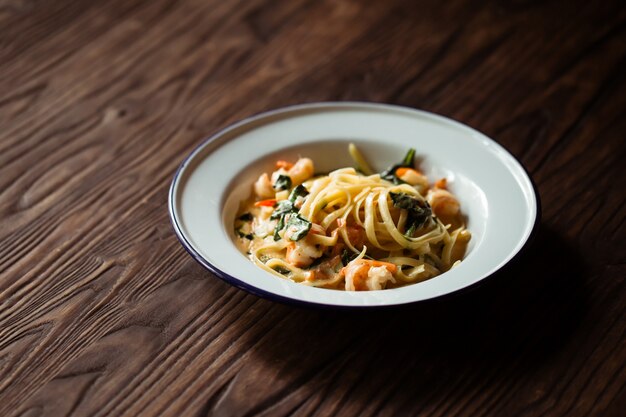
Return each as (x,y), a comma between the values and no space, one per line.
(102,312)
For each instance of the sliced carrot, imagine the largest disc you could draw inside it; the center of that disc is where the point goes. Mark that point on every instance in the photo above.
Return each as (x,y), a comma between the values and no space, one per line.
(310,276)
(441,184)
(283,164)
(266,203)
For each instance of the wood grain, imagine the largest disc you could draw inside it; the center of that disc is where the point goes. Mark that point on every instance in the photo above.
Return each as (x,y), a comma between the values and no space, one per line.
(103,313)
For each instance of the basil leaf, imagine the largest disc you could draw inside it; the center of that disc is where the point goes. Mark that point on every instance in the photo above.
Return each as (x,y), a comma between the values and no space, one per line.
(409,158)
(299,191)
(411,229)
(418,211)
(281,270)
(282,208)
(246,217)
(347,257)
(390,174)
(407,162)
(248,236)
(286,207)
(283,182)
(299,227)
(314,264)
(407,201)
(280,226)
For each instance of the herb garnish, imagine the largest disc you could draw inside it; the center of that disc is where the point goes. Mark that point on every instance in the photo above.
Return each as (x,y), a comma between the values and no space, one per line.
(314,264)
(283,182)
(390,173)
(281,270)
(299,226)
(286,207)
(418,211)
(299,191)
(347,257)
(279,226)
(282,208)
(248,236)
(246,217)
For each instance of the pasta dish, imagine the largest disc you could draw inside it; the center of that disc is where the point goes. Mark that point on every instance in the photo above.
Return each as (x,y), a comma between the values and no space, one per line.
(352,229)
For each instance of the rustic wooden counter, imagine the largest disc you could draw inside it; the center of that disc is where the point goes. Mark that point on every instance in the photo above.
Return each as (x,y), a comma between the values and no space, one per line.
(103,313)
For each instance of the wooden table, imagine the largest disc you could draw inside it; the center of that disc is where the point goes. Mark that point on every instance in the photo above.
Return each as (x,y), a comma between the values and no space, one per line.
(102,312)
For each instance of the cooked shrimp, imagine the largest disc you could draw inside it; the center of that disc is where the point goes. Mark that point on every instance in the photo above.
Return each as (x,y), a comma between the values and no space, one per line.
(445,206)
(441,183)
(378,276)
(301,171)
(443,203)
(414,178)
(365,274)
(303,253)
(283,164)
(263,187)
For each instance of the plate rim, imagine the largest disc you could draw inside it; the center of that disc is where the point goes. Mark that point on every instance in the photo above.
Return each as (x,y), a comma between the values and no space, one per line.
(360,105)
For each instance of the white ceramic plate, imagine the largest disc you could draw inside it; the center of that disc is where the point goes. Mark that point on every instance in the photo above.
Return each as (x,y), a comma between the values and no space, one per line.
(495,192)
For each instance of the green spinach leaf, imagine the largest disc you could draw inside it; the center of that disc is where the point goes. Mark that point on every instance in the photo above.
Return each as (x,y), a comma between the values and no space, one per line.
(298,226)
(298,191)
(246,217)
(281,270)
(407,162)
(347,257)
(286,207)
(282,208)
(283,182)
(279,226)
(248,236)
(418,211)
